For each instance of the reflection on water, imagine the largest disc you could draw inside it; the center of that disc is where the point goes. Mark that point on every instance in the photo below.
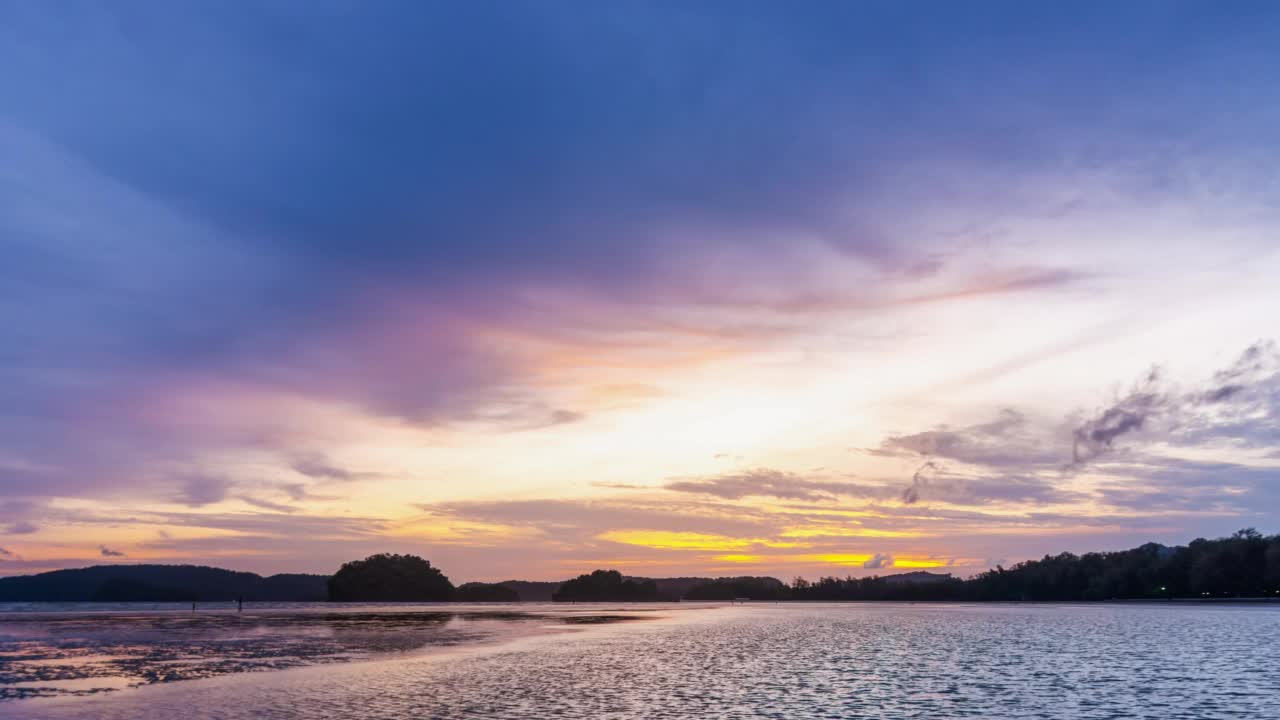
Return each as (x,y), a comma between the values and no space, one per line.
(784,661)
(87,651)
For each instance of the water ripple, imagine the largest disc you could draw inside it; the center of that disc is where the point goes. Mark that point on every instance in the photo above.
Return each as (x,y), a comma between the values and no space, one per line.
(789,661)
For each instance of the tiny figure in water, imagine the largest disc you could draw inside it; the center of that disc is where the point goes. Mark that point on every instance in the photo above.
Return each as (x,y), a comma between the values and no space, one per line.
(240,604)
(193,608)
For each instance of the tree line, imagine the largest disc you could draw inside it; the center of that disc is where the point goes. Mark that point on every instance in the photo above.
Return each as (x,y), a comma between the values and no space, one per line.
(1244,565)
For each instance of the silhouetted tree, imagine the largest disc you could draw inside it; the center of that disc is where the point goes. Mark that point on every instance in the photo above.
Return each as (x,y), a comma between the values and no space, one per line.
(1247,564)
(752,588)
(607,586)
(389,578)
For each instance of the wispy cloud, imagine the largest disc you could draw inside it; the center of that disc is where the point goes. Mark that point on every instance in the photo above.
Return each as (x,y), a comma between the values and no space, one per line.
(1241,403)
(321,468)
(267,504)
(764,482)
(1010,440)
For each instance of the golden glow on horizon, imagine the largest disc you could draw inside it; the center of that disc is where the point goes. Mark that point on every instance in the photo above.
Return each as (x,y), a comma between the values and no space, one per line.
(663,540)
(837,558)
(669,540)
(860,560)
(820,531)
(908,562)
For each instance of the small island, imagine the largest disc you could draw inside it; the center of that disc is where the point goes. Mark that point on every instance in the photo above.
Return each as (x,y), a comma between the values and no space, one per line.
(390,578)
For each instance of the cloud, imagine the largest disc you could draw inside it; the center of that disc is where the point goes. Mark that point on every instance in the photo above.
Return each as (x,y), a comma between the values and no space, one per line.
(319,467)
(267,504)
(439,261)
(247,523)
(200,490)
(764,482)
(919,479)
(108,552)
(1130,413)
(1167,484)
(563,417)
(419,262)
(300,492)
(20,527)
(578,520)
(1258,362)
(1241,403)
(518,415)
(878,561)
(1010,440)
(983,486)
(997,461)
(996,489)
(1015,459)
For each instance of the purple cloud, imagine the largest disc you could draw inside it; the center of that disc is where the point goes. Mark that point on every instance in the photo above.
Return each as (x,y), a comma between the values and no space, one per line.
(200,490)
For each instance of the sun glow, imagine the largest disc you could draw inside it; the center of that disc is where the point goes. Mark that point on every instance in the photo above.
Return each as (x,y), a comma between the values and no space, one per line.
(668,540)
(820,531)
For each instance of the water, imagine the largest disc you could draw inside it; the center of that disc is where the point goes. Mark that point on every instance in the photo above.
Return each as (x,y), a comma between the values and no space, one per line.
(82,649)
(776,661)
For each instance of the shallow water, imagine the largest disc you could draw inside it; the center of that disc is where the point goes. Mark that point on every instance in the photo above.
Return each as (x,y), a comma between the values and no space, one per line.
(88,649)
(781,661)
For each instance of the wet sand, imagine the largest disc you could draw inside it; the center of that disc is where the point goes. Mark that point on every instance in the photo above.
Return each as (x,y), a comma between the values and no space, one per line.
(92,652)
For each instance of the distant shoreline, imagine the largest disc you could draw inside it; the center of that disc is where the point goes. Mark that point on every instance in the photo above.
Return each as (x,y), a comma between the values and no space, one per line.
(211,607)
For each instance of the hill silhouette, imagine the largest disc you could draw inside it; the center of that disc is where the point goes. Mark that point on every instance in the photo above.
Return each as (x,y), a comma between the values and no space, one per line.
(159,583)
(608,586)
(485,592)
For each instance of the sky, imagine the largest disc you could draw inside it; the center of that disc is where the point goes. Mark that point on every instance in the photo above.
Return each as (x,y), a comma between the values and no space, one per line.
(696,288)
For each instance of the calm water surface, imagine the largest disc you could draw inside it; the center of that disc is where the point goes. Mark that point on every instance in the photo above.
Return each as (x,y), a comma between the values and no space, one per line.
(774,661)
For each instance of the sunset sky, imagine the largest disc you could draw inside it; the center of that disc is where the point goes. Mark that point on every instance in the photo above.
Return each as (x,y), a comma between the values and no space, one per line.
(713,288)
